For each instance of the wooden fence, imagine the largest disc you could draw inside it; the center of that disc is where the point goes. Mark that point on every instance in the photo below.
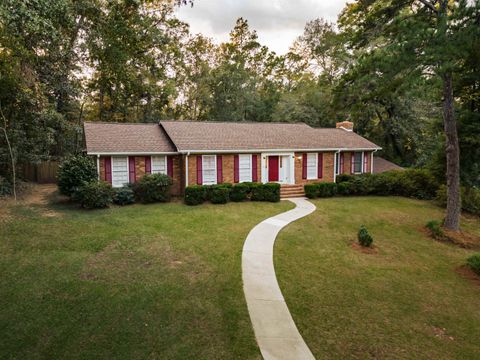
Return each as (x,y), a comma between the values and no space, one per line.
(43,173)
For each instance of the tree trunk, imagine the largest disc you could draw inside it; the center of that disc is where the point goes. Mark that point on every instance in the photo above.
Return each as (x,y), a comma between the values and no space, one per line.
(452,217)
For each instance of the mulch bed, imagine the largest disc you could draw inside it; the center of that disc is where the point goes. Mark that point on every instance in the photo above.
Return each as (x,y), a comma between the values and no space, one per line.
(462,239)
(365,250)
(467,273)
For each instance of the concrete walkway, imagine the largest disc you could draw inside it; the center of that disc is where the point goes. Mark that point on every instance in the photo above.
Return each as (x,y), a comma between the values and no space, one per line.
(276,333)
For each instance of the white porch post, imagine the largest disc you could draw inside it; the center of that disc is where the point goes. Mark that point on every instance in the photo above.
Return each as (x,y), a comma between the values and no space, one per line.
(98,167)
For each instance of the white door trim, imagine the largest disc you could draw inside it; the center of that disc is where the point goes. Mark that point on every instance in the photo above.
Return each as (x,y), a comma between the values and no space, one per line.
(264,165)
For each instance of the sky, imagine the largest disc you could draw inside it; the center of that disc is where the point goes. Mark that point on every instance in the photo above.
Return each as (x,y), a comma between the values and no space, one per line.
(277,22)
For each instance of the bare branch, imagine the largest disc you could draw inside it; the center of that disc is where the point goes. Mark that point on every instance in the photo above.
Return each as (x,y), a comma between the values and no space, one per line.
(429,5)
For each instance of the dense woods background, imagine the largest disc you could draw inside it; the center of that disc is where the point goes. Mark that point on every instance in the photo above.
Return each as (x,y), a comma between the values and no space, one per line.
(383,67)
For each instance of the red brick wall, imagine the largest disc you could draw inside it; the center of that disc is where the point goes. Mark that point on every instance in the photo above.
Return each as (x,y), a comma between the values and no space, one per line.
(328,170)
(227,168)
(177,187)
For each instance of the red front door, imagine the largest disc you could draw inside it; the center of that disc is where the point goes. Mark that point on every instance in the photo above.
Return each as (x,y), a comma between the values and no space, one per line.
(273,168)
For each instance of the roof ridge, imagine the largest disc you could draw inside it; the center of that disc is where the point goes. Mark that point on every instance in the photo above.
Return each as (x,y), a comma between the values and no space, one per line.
(120,123)
(234,122)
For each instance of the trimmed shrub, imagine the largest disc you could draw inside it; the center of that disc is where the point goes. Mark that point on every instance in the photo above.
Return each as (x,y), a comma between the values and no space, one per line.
(435,228)
(240,192)
(416,183)
(195,194)
(94,195)
(474,263)
(124,196)
(470,199)
(364,238)
(153,188)
(75,171)
(343,188)
(326,189)
(311,190)
(220,194)
(266,192)
(343,178)
(6,188)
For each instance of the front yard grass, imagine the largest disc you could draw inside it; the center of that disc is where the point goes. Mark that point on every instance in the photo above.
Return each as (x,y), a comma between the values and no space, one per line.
(141,282)
(405,301)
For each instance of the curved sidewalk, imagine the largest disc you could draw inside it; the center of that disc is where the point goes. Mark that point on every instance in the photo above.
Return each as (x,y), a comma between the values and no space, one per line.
(276,333)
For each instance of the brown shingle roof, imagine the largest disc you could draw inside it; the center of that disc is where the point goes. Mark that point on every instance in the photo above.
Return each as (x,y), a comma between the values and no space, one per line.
(126,138)
(381,165)
(224,136)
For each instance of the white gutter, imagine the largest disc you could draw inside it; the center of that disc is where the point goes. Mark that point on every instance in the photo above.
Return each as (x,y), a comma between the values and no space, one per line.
(274,150)
(231,151)
(132,153)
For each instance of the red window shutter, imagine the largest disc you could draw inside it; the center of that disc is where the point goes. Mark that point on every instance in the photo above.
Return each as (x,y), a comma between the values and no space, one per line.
(108,169)
(352,164)
(219,169)
(320,165)
(304,166)
(254,168)
(342,163)
(365,162)
(131,169)
(170,166)
(199,170)
(236,172)
(148,164)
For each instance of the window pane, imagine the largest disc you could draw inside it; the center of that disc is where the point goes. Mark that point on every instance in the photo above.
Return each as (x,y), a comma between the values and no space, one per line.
(312,166)
(209,169)
(358,162)
(119,171)
(337,160)
(245,168)
(158,165)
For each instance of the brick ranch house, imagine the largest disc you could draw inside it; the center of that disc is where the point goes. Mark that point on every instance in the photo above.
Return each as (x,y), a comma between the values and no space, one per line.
(206,153)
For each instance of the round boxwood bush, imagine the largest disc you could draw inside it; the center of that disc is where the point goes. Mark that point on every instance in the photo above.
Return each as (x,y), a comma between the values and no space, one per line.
(94,195)
(474,263)
(75,171)
(311,190)
(239,192)
(195,194)
(153,188)
(220,194)
(124,196)
(364,237)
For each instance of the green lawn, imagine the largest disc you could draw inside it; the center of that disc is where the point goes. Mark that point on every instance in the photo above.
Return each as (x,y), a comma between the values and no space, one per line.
(407,301)
(159,282)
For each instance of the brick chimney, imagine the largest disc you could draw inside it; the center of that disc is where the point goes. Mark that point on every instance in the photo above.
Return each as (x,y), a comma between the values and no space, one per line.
(345,125)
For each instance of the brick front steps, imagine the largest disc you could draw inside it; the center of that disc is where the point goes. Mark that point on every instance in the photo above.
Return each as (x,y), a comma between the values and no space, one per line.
(291,191)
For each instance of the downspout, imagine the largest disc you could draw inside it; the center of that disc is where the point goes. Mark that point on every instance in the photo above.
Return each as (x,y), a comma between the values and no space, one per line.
(335,165)
(98,167)
(186,169)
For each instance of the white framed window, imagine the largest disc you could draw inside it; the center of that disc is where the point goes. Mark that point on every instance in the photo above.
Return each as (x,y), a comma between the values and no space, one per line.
(312,166)
(337,163)
(209,169)
(159,165)
(358,162)
(119,171)
(245,167)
